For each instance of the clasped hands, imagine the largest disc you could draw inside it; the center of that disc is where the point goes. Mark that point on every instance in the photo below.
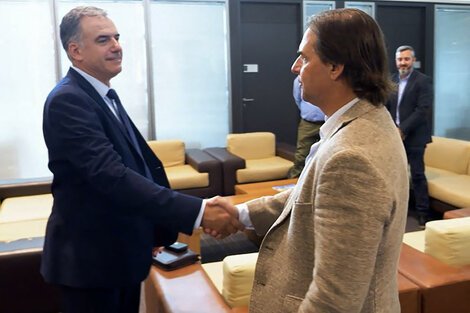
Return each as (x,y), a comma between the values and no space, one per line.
(220,218)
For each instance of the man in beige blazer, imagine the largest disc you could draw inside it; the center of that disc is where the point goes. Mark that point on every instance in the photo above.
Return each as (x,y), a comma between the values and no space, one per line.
(332,242)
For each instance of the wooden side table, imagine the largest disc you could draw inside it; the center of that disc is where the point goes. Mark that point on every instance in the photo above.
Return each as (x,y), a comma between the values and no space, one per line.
(465,212)
(187,289)
(266,187)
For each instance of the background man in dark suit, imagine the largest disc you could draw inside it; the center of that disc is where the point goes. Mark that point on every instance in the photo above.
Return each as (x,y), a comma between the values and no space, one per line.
(410,108)
(112,203)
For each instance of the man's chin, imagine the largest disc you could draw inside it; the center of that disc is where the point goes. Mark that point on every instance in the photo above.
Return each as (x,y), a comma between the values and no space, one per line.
(403,72)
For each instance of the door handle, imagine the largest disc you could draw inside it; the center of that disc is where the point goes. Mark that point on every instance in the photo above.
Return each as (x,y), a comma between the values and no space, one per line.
(248,100)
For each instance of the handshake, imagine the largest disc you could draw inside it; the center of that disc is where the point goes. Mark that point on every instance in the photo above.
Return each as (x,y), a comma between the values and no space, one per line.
(220,218)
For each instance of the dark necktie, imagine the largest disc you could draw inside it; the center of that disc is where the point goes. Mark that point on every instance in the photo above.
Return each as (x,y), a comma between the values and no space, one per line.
(127,125)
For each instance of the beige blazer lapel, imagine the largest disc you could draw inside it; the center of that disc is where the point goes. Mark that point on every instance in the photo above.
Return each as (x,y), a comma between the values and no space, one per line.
(357,110)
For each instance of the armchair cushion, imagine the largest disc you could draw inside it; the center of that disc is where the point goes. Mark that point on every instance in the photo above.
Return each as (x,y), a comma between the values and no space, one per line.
(24,217)
(451,189)
(449,240)
(250,146)
(270,168)
(415,239)
(185,176)
(448,154)
(26,208)
(170,152)
(238,273)
(181,175)
(238,276)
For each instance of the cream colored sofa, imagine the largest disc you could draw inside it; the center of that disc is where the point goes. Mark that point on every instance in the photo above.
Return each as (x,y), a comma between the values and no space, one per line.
(234,276)
(437,259)
(191,171)
(23,222)
(446,240)
(436,262)
(24,217)
(447,163)
(250,157)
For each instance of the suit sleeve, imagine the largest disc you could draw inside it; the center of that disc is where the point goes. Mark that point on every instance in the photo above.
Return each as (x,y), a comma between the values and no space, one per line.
(77,142)
(351,210)
(421,110)
(265,211)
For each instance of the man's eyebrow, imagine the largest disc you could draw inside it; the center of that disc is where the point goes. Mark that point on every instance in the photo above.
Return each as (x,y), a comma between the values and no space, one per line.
(107,36)
(103,37)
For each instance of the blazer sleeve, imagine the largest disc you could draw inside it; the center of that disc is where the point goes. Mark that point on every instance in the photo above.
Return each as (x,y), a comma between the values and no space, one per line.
(77,139)
(351,210)
(264,211)
(421,104)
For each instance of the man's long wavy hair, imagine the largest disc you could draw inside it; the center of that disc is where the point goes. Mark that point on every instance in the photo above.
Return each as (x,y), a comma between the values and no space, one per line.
(352,38)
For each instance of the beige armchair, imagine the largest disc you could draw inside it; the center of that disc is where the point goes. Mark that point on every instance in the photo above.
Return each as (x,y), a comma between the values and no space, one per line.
(250,157)
(234,276)
(437,259)
(191,171)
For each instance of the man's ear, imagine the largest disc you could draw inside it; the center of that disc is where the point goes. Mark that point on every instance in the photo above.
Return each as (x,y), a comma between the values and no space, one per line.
(75,51)
(336,70)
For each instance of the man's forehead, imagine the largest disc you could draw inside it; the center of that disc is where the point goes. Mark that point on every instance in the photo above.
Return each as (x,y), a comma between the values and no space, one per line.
(404,54)
(98,24)
(307,41)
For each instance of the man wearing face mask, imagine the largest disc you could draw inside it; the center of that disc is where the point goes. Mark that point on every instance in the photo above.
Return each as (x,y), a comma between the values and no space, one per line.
(410,108)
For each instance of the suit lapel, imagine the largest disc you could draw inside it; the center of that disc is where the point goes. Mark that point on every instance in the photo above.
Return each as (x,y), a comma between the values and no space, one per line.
(357,110)
(91,91)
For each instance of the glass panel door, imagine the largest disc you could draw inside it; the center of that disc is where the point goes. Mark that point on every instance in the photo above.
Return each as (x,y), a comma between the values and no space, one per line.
(27,75)
(190,70)
(314,7)
(452,72)
(368,7)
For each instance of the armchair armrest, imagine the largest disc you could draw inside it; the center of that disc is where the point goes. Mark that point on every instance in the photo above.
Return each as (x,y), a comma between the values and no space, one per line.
(205,163)
(25,187)
(201,161)
(230,164)
(285,151)
(444,288)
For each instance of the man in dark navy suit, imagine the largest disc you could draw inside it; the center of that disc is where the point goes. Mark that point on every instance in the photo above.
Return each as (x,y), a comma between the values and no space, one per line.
(112,202)
(410,108)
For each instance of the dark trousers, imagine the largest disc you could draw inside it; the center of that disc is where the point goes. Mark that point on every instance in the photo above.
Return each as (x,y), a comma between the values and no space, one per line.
(420,185)
(307,135)
(101,300)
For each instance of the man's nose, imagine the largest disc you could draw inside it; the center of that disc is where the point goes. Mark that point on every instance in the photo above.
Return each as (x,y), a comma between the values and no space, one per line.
(296,66)
(115,44)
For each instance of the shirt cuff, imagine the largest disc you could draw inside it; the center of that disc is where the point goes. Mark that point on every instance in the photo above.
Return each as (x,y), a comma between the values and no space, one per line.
(244,216)
(198,221)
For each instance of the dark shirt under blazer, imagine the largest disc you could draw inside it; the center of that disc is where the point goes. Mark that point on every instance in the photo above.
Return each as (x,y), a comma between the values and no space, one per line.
(415,108)
(106,215)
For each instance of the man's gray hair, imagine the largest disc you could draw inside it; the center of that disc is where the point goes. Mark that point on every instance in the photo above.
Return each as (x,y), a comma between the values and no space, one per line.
(404,48)
(70,26)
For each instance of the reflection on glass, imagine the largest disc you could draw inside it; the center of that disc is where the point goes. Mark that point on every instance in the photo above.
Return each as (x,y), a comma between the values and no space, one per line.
(314,7)
(189,51)
(27,75)
(368,7)
(452,72)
